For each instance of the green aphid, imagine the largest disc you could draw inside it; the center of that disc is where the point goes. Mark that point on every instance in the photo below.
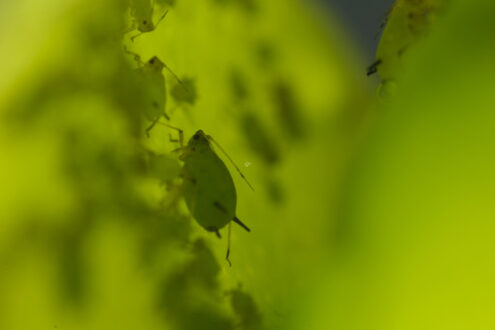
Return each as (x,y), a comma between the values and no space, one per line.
(288,111)
(238,86)
(150,76)
(170,3)
(406,22)
(209,190)
(163,167)
(259,140)
(245,309)
(185,92)
(142,13)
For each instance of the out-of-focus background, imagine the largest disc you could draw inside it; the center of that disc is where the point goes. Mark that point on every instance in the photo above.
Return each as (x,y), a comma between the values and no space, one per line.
(361,19)
(372,204)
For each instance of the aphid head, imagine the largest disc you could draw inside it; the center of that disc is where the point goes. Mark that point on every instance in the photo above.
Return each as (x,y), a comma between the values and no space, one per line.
(146,25)
(199,139)
(156,64)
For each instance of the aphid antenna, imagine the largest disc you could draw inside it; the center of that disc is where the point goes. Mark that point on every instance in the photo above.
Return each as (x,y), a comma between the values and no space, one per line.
(181,133)
(231,161)
(137,35)
(161,17)
(228,244)
(176,77)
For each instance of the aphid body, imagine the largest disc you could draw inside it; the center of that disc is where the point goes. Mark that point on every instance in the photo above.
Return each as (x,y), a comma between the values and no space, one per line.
(407,21)
(142,13)
(151,75)
(209,190)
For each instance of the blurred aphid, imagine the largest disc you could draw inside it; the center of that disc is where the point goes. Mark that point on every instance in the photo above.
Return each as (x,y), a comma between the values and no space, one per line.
(405,23)
(250,6)
(151,78)
(142,13)
(163,167)
(163,230)
(204,265)
(209,190)
(185,92)
(258,139)
(238,85)
(170,3)
(72,268)
(265,53)
(189,296)
(288,112)
(246,310)
(274,190)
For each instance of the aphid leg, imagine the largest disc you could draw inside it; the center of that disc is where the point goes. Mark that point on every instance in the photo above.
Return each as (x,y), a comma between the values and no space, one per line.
(373,67)
(239,222)
(230,159)
(137,57)
(137,35)
(153,124)
(181,133)
(228,244)
(218,234)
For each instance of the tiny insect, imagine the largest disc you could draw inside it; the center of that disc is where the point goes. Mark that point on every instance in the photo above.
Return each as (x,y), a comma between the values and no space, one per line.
(405,23)
(151,76)
(142,13)
(185,93)
(288,111)
(259,139)
(209,190)
(245,309)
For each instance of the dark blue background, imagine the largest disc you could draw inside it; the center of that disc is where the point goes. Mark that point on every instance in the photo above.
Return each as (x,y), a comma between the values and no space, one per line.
(363,18)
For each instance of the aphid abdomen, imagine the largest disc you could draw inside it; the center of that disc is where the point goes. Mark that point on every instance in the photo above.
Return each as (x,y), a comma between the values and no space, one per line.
(209,191)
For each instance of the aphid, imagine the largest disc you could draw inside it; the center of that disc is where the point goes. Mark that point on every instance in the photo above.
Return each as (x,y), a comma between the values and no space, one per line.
(238,86)
(259,139)
(185,92)
(405,23)
(170,3)
(142,12)
(209,190)
(246,309)
(288,112)
(151,76)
